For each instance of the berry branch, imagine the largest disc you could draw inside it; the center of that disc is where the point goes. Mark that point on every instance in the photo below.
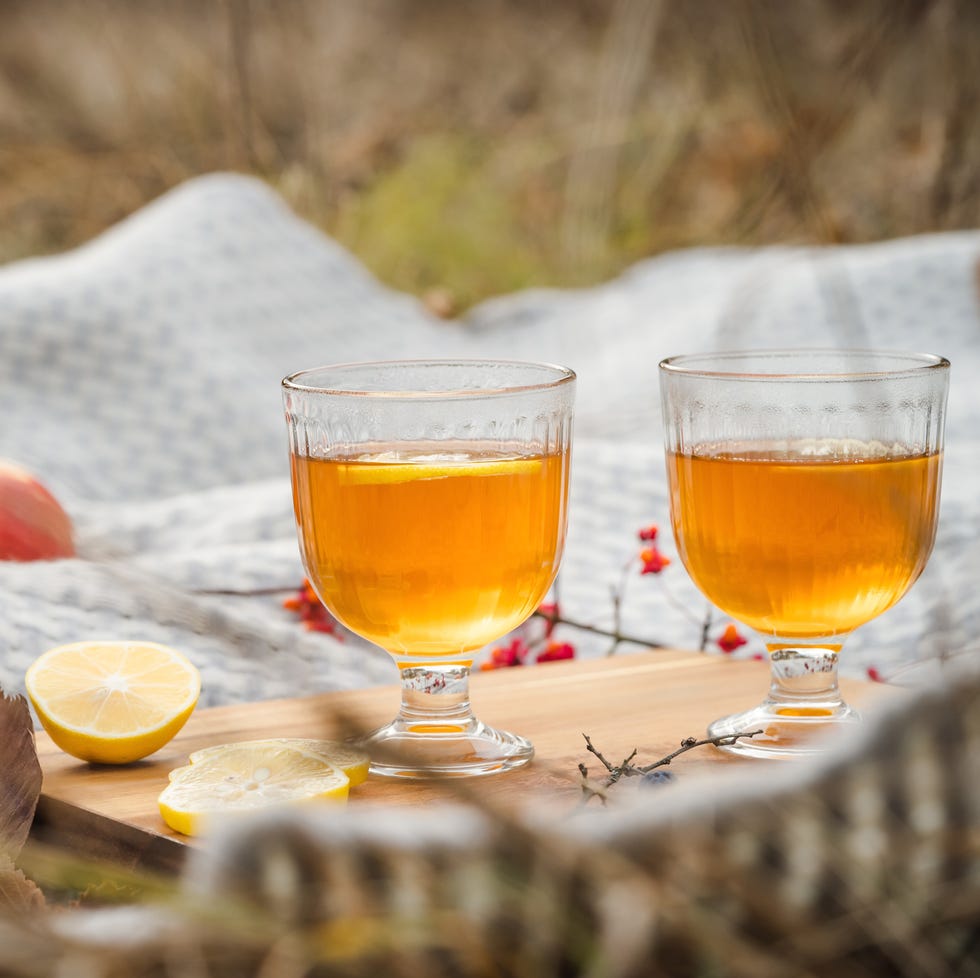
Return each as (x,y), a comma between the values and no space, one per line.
(651,561)
(521,648)
(618,636)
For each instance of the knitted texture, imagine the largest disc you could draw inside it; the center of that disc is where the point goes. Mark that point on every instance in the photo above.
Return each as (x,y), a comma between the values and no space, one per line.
(139,379)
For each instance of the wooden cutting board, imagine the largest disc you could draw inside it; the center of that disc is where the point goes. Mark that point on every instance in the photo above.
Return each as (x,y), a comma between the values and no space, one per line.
(649,701)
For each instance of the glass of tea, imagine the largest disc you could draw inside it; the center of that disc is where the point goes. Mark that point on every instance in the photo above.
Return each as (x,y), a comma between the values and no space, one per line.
(804,496)
(430,500)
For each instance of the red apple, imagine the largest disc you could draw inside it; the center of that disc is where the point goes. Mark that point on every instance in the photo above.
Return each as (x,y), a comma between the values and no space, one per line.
(33,526)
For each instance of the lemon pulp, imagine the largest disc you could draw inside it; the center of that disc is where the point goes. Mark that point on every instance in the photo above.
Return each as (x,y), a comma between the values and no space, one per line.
(112,702)
(238,778)
(353,762)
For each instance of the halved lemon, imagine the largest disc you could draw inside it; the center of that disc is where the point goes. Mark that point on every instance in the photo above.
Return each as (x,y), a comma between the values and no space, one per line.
(112,702)
(353,762)
(390,467)
(239,778)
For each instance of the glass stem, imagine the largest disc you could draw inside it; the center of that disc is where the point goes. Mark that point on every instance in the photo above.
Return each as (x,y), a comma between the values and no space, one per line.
(436,698)
(804,679)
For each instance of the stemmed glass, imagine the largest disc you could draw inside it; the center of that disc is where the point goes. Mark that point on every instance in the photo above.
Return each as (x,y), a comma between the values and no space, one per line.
(804,495)
(430,500)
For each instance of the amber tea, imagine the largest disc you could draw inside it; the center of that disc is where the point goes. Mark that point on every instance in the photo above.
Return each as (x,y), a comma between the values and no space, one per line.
(810,540)
(431,550)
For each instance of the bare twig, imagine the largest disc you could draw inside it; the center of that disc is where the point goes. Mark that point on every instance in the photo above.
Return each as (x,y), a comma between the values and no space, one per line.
(616,635)
(618,596)
(627,769)
(616,771)
(705,629)
(691,742)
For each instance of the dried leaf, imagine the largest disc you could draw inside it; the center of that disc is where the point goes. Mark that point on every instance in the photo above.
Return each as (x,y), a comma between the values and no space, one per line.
(20,774)
(17,892)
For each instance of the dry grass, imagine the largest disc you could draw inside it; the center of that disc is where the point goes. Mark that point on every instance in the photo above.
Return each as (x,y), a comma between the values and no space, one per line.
(485,145)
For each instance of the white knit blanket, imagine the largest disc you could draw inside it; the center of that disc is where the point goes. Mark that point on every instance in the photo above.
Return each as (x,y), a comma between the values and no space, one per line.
(139,378)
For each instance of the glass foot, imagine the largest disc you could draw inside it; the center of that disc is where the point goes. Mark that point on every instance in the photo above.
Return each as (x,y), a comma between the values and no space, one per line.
(404,749)
(785,730)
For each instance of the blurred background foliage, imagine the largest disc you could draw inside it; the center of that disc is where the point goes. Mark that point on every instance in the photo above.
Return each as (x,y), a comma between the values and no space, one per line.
(464,148)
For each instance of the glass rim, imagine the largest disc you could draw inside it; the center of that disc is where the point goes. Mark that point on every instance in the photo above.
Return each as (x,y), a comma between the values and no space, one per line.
(562,376)
(686,364)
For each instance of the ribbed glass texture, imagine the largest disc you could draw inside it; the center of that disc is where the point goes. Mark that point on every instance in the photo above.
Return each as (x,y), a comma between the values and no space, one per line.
(431,504)
(804,497)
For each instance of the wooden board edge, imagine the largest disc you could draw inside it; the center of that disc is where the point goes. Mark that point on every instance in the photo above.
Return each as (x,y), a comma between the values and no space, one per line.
(77,830)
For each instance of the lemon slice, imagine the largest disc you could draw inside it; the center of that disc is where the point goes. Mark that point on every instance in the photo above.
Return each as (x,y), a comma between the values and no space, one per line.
(353,762)
(112,702)
(240,778)
(392,467)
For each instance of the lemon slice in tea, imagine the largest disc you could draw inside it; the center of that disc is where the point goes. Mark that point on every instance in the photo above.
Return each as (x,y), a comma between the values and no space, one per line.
(112,702)
(241,778)
(393,467)
(353,762)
